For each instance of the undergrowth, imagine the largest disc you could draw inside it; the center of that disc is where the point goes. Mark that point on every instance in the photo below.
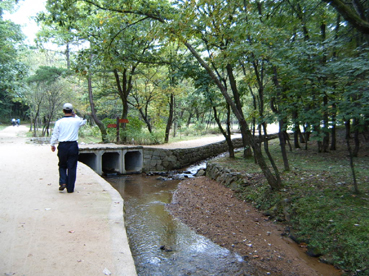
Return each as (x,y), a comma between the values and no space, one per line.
(317,203)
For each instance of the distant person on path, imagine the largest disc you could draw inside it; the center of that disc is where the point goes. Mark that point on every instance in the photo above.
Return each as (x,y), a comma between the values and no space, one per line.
(18,122)
(66,132)
(13,122)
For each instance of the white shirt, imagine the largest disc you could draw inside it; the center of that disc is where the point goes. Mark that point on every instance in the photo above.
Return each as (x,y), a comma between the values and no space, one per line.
(66,129)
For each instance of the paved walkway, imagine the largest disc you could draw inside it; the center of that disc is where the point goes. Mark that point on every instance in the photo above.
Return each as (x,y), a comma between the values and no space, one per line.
(47,232)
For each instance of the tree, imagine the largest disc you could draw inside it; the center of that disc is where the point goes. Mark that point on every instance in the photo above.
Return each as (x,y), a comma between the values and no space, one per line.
(355,12)
(47,89)
(12,69)
(275,56)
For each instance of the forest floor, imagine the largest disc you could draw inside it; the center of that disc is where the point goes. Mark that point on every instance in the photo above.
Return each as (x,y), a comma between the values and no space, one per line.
(213,210)
(230,219)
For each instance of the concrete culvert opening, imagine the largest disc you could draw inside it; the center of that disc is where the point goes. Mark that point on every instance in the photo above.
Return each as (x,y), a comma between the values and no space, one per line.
(133,161)
(90,159)
(110,162)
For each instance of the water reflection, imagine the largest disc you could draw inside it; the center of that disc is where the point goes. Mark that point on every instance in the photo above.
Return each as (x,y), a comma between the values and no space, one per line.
(162,245)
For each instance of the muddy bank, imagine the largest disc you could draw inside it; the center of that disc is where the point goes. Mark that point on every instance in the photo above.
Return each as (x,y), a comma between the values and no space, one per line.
(212,210)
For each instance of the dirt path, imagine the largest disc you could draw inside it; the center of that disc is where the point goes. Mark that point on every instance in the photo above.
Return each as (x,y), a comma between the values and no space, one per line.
(47,232)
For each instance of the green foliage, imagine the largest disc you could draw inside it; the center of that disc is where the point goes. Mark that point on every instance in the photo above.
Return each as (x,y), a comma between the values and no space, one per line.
(334,223)
(89,134)
(47,75)
(316,202)
(12,70)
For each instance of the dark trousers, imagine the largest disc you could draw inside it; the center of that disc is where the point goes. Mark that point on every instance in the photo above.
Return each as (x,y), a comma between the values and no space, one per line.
(68,158)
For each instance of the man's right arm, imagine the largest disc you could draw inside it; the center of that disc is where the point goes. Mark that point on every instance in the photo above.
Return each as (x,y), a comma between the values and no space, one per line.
(82,121)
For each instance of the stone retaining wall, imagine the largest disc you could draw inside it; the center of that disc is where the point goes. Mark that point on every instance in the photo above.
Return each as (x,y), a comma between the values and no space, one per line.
(227,177)
(157,159)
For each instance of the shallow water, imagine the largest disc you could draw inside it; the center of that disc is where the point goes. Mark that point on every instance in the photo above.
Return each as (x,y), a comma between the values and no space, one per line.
(161,244)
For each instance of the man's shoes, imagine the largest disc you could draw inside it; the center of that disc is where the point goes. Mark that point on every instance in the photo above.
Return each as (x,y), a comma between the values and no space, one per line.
(62,187)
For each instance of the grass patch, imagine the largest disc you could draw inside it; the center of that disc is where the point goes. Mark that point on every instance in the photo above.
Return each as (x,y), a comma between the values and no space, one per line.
(317,202)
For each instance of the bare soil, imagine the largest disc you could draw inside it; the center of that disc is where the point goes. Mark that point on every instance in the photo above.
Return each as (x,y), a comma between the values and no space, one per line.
(213,210)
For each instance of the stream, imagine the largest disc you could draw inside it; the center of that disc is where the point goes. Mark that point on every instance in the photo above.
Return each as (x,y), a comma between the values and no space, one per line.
(161,244)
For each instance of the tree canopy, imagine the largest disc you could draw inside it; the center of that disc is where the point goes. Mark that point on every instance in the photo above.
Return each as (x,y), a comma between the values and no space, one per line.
(12,69)
(170,65)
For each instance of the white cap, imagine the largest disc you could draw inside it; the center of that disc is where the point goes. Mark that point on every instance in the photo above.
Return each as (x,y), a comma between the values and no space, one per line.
(67,106)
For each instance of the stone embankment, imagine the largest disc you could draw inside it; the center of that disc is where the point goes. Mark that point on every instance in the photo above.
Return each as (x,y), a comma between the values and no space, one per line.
(232,179)
(160,159)
(165,159)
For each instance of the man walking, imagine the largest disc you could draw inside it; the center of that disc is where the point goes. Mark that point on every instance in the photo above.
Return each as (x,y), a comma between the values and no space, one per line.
(66,132)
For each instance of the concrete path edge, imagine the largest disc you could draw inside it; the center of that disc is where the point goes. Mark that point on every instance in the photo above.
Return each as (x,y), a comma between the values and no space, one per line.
(123,260)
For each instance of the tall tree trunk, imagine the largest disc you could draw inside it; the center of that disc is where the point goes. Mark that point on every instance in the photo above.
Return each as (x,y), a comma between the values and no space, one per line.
(282,141)
(93,110)
(296,129)
(189,119)
(226,134)
(333,130)
(123,91)
(281,133)
(35,124)
(325,144)
(238,105)
(356,189)
(266,149)
(356,138)
(67,54)
(348,129)
(146,119)
(170,118)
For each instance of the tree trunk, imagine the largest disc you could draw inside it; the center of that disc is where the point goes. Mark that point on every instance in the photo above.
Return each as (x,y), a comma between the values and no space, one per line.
(271,159)
(238,105)
(170,118)
(146,119)
(333,130)
(325,144)
(124,87)
(306,136)
(189,119)
(282,142)
(227,135)
(281,133)
(356,138)
(296,130)
(350,15)
(93,111)
(356,189)
(67,54)
(348,129)
(35,124)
